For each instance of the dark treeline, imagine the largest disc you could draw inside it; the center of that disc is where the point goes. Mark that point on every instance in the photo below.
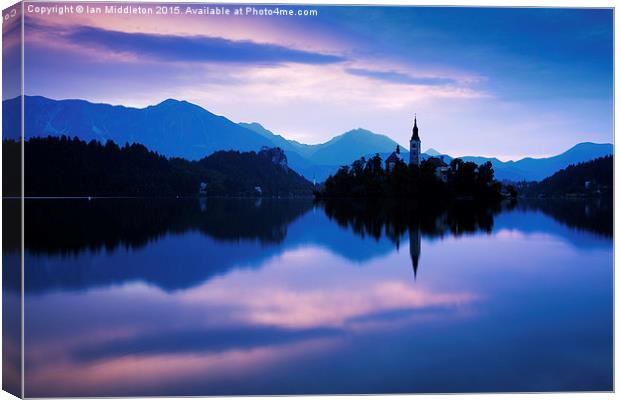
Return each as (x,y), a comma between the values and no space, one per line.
(11,168)
(588,179)
(431,180)
(65,167)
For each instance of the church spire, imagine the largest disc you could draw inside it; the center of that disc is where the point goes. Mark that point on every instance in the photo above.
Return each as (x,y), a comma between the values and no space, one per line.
(414,135)
(415,144)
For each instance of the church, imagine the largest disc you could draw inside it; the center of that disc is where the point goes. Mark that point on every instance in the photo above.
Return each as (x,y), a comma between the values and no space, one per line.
(415,146)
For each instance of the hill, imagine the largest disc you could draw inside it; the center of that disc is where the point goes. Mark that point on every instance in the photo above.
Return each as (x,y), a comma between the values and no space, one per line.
(588,179)
(64,167)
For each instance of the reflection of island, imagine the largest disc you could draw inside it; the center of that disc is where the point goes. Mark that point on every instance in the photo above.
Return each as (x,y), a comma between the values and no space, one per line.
(394,219)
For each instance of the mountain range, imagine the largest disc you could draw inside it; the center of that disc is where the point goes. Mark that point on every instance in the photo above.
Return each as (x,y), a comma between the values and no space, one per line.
(536,169)
(181,129)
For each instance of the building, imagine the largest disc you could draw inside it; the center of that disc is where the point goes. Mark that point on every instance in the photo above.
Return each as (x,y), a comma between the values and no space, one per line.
(276,155)
(393,159)
(415,145)
(441,168)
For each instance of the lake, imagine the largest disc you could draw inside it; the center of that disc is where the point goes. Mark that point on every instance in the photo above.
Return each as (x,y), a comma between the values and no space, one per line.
(256,296)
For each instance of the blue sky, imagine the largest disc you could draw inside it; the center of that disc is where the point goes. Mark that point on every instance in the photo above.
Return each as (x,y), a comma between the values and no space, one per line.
(506,82)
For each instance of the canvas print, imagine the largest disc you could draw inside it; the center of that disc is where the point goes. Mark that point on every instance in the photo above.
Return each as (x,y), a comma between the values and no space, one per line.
(248,199)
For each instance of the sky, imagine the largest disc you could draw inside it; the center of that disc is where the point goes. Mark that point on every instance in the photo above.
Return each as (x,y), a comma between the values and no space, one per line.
(504,82)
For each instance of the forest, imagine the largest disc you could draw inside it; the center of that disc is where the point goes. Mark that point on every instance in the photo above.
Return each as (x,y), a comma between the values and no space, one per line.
(70,167)
(588,179)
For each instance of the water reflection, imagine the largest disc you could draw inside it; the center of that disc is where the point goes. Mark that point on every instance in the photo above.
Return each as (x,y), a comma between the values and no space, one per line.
(69,235)
(590,215)
(11,299)
(182,297)
(395,219)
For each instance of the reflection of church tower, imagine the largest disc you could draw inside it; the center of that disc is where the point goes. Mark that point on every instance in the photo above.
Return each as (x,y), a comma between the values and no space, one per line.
(414,145)
(414,248)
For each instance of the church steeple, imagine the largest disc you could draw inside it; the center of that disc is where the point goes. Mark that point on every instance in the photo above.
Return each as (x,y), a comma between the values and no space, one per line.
(414,135)
(415,144)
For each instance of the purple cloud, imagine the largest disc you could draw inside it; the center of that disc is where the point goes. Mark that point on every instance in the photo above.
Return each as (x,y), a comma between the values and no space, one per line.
(195,48)
(399,78)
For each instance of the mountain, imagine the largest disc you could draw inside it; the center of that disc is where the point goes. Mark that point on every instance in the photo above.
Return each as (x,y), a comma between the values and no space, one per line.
(172,128)
(341,149)
(303,150)
(297,153)
(535,169)
(181,129)
(322,160)
(350,146)
(432,153)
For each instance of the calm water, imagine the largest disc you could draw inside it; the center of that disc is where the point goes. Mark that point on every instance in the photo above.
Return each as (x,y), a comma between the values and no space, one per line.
(189,297)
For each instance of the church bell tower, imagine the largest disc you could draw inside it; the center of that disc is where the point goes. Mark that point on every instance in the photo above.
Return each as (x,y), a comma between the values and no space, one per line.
(415,145)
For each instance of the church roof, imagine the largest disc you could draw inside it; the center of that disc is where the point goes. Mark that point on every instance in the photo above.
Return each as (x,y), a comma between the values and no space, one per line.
(393,157)
(437,162)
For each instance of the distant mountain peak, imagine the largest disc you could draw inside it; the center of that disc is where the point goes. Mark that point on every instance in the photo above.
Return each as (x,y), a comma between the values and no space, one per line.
(359,131)
(253,124)
(175,103)
(171,101)
(432,152)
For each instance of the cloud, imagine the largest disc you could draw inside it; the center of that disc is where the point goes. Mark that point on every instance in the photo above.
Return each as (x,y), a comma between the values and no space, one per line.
(192,341)
(195,48)
(399,77)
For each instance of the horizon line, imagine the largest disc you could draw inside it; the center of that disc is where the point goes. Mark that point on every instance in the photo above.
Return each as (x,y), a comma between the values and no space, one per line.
(503,158)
